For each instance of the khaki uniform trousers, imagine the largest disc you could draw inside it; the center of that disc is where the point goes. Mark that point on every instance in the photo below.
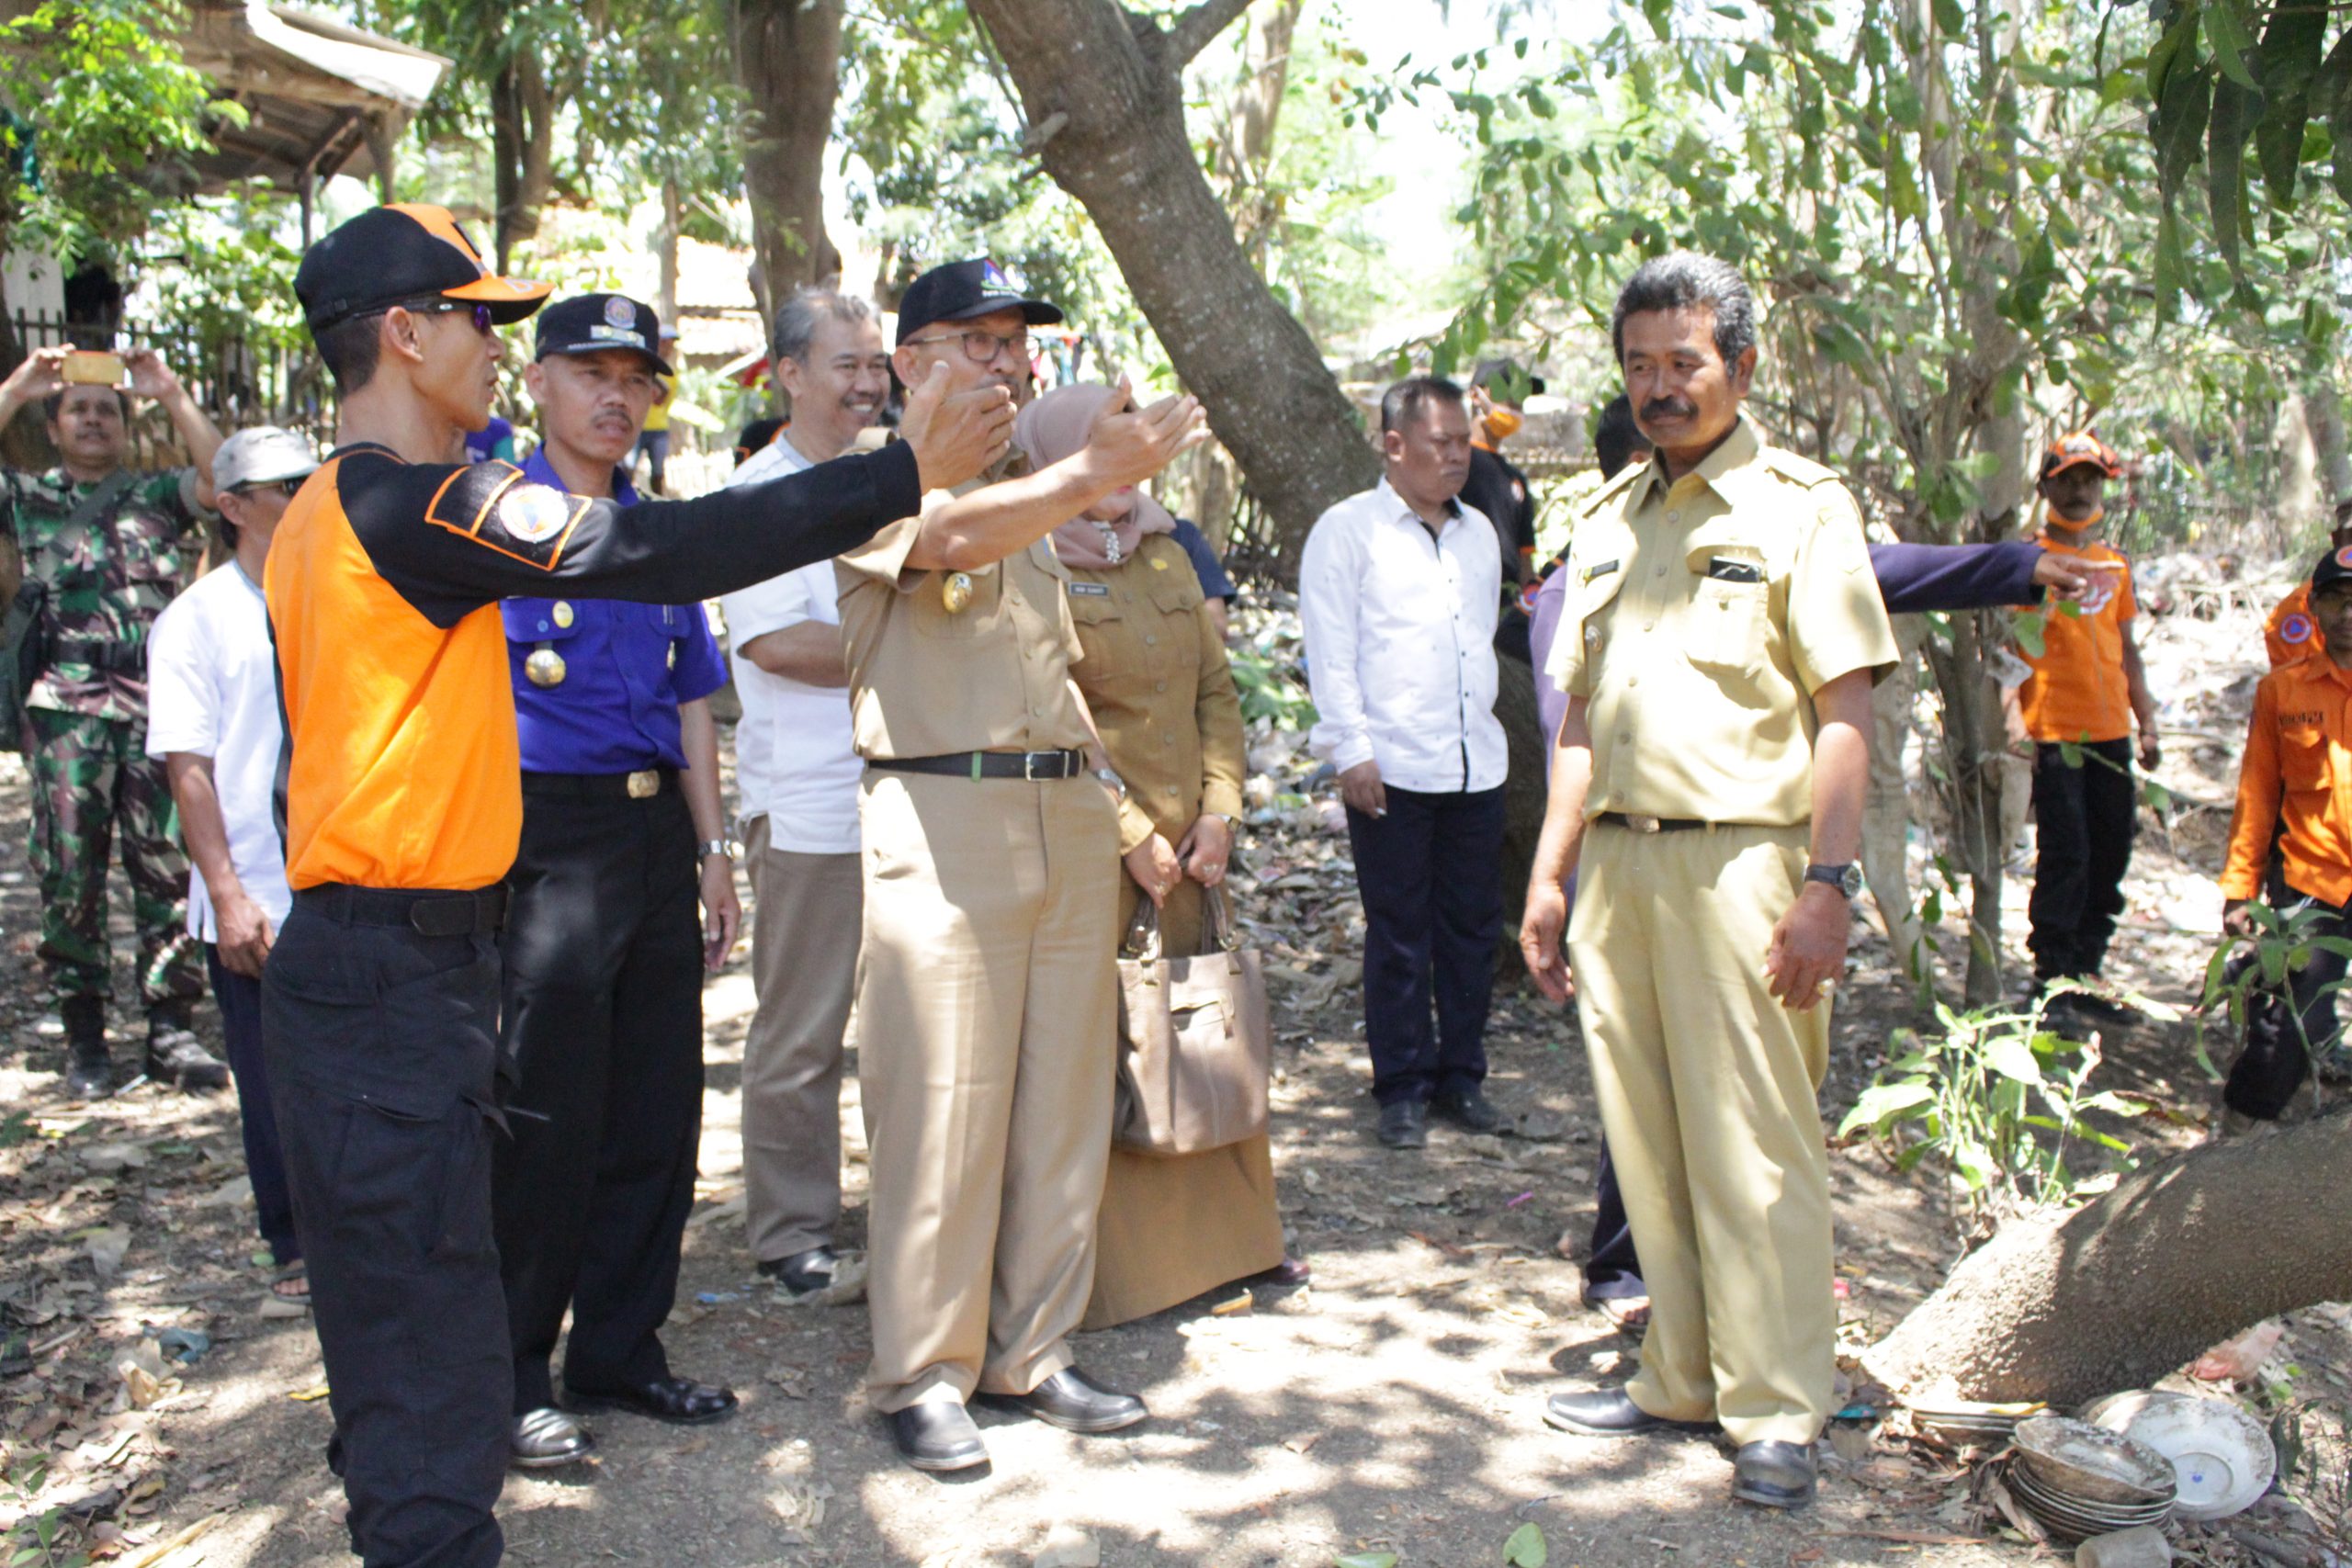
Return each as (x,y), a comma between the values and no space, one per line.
(988,1007)
(1174,1225)
(804,919)
(1706,1088)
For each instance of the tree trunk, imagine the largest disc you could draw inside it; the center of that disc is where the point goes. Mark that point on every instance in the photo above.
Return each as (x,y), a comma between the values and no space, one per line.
(666,252)
(1247,148)
(2299,477)
(2175,1259)
(787,60)
(522,122)
(2324,414)
(1103,92)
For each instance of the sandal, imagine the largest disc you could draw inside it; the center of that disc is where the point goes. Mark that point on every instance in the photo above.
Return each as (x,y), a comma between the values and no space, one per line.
(291,1284)
(1624,1313)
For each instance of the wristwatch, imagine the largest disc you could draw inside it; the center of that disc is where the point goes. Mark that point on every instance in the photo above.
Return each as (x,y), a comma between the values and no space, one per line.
(1112,782)
(710,847)
(1846,879)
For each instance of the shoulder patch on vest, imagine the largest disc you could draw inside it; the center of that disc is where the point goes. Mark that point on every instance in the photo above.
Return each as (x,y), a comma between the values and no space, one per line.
(1611,491)
(493,506)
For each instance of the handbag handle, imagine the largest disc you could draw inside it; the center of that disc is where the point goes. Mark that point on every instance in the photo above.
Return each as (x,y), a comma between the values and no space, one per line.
(1142,941)
(1219,929)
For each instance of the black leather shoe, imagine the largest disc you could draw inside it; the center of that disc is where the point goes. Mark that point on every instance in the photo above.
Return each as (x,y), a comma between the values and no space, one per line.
(803,1273)
(1075,1403)
(1773,1475)
(1404,1125)
(176,1056)
(679,1401)
(1608,1413)
(1468,1110)
(546,1437)
(937,1437)
(89,1074)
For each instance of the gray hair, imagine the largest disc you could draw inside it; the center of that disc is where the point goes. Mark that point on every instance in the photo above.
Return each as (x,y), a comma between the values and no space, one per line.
(806,310)
(1402,403)
(1685,279)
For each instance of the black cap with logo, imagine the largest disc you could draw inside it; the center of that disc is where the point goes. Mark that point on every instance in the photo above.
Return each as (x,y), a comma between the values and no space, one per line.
(961,290)
(590,323)
(2333,567)
(406,251)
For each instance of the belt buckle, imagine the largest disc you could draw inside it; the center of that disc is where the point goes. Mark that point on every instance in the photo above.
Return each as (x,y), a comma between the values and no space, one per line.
(1029,772)
(644,784)
(1640,823)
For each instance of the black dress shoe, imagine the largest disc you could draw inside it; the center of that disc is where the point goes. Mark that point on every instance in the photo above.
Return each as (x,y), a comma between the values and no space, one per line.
(803,1273)
(1468,1109)
(1773,1475)
(1608,1413)
(679,1401)
(545,1438)
(1404,1125)
(1075,1403)
(937,1437)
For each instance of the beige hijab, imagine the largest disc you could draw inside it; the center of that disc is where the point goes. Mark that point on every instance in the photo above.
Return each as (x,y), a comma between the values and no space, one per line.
(1055,426)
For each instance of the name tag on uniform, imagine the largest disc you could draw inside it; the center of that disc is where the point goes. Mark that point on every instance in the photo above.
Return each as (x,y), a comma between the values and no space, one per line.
(1603,569)
(1091,590)
(1723,570)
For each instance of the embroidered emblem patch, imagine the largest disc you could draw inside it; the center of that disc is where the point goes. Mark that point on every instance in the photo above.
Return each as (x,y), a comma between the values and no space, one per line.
(2344,556)
(2297,627)
(620,312)
(993,279)
(532,513)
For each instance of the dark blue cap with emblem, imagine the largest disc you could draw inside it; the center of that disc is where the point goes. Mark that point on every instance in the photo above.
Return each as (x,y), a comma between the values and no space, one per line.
(591,323)
(2333,568)
(961,290)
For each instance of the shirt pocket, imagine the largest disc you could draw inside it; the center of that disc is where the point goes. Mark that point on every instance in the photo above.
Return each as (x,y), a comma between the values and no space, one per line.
(533,621)
(2304,758)
(1111,639)
(1177,599)
(1592,599)
(1725,629)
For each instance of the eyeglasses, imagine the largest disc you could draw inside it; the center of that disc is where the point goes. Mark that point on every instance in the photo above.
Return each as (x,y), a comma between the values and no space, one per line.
(981,348)
(283,487)
(435,305)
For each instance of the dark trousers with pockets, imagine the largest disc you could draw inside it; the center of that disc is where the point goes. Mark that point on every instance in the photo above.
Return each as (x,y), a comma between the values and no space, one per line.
(240,1000)
(604,1028)
(2284,1032)
(382,1050)
(1430,873)
(2084,813)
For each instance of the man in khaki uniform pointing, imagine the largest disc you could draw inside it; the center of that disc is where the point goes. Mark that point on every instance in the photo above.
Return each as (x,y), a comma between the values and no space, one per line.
(988,990)
(1722,634)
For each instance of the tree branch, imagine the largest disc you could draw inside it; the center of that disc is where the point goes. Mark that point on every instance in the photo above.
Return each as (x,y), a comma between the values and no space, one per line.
(1197,29)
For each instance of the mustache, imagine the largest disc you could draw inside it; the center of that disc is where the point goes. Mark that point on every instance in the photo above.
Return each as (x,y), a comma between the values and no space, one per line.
(1668,407)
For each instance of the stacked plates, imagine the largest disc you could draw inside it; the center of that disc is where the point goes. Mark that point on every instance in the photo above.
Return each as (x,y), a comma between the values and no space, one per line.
(1969,1422)
(2221,1457)
(2079,1481)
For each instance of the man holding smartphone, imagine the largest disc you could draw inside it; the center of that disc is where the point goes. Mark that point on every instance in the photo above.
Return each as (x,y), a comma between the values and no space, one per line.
(107,548)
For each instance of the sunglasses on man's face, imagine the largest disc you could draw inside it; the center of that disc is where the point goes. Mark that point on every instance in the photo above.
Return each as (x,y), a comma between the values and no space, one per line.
(283,487)
(436,306)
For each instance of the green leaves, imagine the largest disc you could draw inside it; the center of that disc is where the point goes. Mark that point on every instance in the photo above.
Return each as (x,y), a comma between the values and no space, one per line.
(1526,1548)
(2231,38)
(1366,1560)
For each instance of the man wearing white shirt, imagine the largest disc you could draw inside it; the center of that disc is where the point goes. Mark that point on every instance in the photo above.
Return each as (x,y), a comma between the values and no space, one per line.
(212,720)
(1397,593)
(798,780)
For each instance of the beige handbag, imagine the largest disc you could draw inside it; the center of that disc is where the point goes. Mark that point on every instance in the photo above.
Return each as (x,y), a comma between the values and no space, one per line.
(1195,1040)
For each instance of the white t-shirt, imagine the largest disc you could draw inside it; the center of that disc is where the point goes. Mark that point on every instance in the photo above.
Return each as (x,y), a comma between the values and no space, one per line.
(212,689)
(794,763)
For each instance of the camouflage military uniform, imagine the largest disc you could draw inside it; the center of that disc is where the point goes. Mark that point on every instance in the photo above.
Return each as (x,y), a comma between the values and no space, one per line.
(87,726)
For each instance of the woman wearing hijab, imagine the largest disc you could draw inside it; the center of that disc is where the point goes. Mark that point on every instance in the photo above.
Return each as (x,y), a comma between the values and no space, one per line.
(1154,676)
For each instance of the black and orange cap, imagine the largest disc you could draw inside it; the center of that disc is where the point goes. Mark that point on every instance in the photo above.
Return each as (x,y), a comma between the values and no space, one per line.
(406,251)
(2082,446)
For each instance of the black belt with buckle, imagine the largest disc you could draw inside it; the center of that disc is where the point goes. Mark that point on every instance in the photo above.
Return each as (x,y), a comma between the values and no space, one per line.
(1640,824)
(642,785)
(989,764)
(116,656)
(427,913)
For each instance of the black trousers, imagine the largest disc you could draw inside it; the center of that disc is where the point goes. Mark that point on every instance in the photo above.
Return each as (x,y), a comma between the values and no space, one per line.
(1429,875)
(603,1026)
(382,1050)
(2284,1032)
(1614,1269)
(2086,817)
(240,1000)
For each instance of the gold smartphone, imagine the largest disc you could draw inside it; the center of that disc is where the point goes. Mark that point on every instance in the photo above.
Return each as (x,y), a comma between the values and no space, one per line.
(91,367)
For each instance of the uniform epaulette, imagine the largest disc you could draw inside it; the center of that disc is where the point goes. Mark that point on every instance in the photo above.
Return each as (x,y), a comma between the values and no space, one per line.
(1799,470)
(1610,489)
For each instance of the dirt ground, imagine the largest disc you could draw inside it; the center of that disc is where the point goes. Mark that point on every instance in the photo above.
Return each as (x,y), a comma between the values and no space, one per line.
(1393,1407)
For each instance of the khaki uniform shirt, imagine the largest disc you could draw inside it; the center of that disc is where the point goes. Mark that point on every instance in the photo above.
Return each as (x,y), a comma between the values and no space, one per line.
(925,681)
(1701,618)
(1155,675)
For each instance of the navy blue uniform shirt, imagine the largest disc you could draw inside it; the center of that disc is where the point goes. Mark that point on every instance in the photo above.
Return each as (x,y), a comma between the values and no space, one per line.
(627,667)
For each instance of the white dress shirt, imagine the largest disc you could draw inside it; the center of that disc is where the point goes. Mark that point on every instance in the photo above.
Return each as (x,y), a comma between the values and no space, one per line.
(793,761)
(1401,643)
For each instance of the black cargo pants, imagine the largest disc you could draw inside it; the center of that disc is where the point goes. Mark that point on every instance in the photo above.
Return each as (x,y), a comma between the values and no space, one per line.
(379,1026)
